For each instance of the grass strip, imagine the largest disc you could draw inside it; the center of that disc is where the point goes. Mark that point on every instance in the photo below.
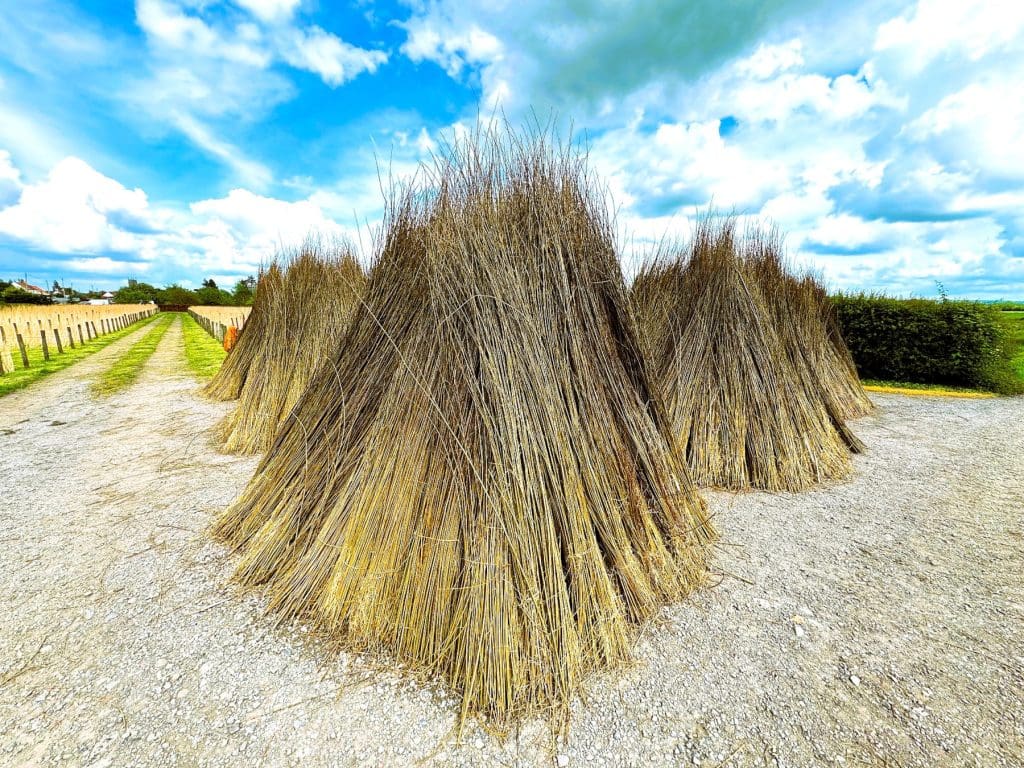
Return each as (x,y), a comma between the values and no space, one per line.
(203,353)
(128,366)
(1014,322)
(924,390)
(20,378)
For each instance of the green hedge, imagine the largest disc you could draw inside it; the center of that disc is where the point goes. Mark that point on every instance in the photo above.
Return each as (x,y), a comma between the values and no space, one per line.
(960,343)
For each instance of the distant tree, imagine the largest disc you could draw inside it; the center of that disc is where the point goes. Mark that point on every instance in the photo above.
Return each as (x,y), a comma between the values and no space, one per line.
(244,291)
(213,296)
(14,295)
(138,293)
(175,294)
(209,283)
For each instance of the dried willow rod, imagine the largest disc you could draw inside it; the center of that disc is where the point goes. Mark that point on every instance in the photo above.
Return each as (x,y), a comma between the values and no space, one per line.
(741,384)
(227,383)
(319,290)
(834,363)
(482,483)
(806,324)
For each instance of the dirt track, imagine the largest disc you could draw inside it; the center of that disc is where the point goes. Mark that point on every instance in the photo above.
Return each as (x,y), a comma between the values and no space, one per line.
(875,622)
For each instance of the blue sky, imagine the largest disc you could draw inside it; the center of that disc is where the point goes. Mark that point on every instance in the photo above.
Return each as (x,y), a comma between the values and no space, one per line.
(172,140)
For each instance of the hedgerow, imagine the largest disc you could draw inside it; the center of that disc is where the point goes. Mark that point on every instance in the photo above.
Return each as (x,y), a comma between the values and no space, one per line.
(961,343)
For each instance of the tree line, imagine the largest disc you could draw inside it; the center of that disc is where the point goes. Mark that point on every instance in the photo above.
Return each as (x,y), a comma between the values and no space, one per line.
(135,292)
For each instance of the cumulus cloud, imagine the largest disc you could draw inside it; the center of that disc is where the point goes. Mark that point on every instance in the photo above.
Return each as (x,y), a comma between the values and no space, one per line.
(452,49)
(327,55)
(212,68)
(879,139)
(932,29)
(270,10)
(100,228)
(72,209)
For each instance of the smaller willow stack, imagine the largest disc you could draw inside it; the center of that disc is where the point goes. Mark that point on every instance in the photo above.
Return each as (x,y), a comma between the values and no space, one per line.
(739,353)
(832,359)
(228,381)
(318,293)
(806,321)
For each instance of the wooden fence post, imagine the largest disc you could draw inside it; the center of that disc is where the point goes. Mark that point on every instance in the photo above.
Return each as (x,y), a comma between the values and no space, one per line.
(71,338)
(46,349)
(24,353)
(56,337)
(81,340)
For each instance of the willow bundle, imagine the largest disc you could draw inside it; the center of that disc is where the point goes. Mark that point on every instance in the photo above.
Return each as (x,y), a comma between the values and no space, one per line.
(320,288)
(809,334)
(744,400)
(833,361)
(482,482)
(227,383)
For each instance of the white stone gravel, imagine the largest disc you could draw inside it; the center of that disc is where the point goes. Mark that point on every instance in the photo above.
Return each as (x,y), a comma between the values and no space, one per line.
(874,622)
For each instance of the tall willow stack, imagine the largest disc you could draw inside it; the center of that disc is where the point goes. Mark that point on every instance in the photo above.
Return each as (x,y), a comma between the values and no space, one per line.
(482,482)
(740,353)
(314,302)
(227,383)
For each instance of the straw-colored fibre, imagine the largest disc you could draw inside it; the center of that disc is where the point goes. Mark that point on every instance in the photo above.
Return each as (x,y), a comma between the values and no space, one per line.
(228,381)
(482,482)
(305,314)
(741,390)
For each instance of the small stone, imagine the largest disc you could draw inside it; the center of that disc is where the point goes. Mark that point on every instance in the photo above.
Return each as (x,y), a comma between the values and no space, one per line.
(798,630)
(563,761)
(854,679)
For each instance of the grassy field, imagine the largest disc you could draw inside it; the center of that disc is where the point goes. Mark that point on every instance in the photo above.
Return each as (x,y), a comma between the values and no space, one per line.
(129,365)
(1015,322)
(203,353)
(23,377)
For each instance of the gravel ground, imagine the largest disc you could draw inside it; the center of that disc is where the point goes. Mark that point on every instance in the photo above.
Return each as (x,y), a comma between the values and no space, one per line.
(874,622)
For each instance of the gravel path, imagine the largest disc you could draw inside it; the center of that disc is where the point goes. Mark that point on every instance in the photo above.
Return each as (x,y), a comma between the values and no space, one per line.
(875,622)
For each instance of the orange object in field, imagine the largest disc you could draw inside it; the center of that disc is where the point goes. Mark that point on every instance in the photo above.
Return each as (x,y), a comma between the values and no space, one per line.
(230,337)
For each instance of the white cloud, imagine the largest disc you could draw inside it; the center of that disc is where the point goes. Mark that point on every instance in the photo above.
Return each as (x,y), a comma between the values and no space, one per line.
(270,10)
(986,119)
(254,216)
(769,60)
(328,56)
(72,211)
(211,70)
(166,24)
(951,28)
(875,138)
(106,229)
(448,46)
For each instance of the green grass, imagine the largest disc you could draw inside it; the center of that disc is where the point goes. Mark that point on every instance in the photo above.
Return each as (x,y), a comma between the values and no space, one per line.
(20,378)
(1014,321)
(128,366)
(203,353)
